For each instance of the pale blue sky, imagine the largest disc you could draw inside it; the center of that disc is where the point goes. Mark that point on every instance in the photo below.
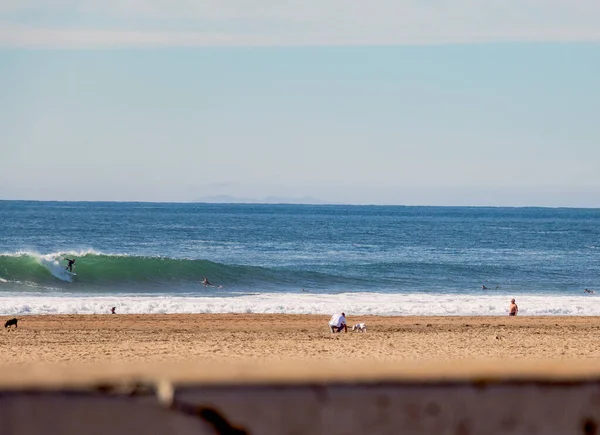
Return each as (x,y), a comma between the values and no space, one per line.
(119,103)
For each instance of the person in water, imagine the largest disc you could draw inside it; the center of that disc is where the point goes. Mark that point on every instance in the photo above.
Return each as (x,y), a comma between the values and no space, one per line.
(206,282)
(513,309)
(487,288)
(113,310)
(70,265)
(589,291)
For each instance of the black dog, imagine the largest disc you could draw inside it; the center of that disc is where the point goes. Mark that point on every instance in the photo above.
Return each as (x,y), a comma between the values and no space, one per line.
(11,322)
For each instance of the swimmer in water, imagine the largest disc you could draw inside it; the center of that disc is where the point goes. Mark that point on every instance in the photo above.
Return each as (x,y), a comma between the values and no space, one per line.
(206,283)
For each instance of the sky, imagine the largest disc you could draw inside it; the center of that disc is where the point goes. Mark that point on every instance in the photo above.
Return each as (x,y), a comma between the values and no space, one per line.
(429,102)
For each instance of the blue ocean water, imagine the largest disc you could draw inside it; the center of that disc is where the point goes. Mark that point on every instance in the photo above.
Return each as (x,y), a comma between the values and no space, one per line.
(296,258)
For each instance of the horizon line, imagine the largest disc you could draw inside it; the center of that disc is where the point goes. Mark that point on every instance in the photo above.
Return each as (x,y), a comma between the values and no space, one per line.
(323,204)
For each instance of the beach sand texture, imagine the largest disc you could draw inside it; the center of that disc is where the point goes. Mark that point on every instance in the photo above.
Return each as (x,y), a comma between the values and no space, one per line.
(256,337)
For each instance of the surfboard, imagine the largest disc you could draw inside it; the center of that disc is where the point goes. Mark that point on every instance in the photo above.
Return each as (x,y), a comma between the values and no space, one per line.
(70,273)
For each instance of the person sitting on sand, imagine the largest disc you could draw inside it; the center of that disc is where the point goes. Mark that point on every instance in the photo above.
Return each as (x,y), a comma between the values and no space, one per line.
(338,322)
(589,291)
(513,309)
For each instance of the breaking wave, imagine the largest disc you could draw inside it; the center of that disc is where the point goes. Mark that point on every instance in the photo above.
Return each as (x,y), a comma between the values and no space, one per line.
(139,273)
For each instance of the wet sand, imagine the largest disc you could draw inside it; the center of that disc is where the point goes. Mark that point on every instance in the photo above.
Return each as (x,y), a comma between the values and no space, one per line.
(261,337)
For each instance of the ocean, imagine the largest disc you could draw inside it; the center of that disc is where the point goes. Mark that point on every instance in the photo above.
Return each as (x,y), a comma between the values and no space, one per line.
(318,259)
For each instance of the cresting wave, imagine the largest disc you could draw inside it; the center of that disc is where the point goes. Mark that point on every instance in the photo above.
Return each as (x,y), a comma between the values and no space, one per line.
(354,304)
(138,273)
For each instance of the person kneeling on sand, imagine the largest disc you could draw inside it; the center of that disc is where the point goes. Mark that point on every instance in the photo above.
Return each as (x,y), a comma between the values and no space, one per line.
(513,308)
(338,322)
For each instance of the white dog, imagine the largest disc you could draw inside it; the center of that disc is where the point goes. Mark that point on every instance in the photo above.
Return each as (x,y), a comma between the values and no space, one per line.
(360,327)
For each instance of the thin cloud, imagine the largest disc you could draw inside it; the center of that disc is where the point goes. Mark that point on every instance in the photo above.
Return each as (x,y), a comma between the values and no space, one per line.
(150,23)
(34,37)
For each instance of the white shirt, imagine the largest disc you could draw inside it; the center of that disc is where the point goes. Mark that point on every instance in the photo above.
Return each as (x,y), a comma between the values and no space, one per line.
(337,320)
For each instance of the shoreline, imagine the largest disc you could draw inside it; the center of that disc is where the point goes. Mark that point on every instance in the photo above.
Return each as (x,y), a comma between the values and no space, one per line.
(205,338)
(217,317)
(518,318)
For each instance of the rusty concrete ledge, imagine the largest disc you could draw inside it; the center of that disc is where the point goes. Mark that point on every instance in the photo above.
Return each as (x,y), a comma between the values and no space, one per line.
(289,372)
(125,377)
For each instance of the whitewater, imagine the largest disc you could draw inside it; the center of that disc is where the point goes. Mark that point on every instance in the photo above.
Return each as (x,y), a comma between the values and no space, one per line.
(289,303)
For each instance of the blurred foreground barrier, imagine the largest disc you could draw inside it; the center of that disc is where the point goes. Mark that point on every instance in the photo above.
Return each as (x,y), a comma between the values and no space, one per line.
(283,401)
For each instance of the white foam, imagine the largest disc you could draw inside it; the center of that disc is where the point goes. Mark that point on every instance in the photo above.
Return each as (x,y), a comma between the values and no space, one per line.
(55,255)
(351,303)
(54,267)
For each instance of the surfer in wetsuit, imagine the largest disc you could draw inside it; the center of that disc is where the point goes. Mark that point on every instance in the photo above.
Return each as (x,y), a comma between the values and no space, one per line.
(206,282)
(70,265)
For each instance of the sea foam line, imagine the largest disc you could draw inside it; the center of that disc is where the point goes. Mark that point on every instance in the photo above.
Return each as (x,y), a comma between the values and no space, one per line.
(288,303)
(57,254)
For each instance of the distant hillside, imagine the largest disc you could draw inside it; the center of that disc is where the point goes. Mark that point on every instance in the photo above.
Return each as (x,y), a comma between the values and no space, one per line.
(228,199)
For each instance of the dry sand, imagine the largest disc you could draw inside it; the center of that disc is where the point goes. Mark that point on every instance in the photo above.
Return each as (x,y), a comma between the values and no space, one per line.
(256,337)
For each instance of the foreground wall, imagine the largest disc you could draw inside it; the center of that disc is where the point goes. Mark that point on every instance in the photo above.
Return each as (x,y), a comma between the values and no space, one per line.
(313,401)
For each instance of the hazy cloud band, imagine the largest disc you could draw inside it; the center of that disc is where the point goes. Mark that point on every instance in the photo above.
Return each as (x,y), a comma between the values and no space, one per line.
(151,23)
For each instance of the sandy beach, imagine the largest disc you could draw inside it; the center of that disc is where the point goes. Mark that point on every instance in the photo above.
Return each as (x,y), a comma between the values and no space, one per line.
(256,337)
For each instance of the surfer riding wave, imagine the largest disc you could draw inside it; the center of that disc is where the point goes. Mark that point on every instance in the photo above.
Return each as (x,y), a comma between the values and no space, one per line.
(70,265)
